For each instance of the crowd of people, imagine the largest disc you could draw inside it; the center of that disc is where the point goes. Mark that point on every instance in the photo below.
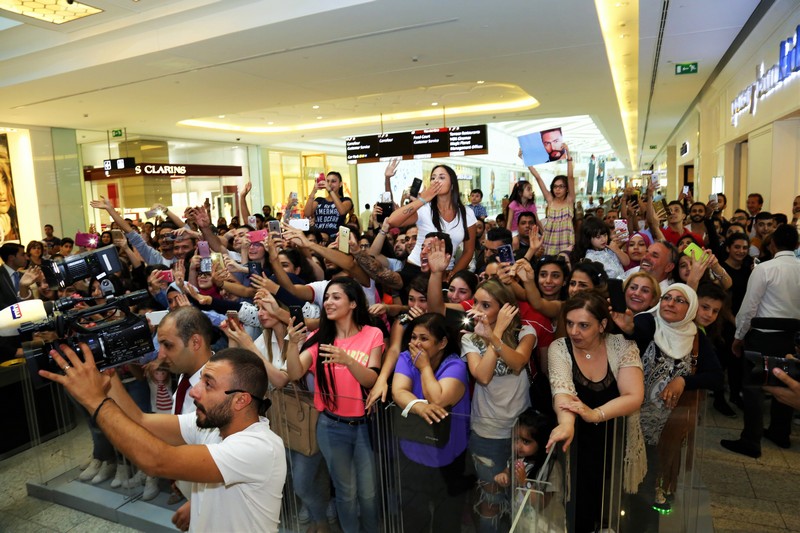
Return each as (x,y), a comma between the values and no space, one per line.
(501,326)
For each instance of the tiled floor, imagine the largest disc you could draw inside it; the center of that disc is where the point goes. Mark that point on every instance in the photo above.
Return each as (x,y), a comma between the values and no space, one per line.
(751,495)
(747,495)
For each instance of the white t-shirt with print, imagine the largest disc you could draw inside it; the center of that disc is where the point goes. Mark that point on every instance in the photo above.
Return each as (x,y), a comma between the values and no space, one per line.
(496,406)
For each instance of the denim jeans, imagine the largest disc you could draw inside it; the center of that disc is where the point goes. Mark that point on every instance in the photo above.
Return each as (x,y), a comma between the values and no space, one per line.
(310,487)
(491,457)
(351,464)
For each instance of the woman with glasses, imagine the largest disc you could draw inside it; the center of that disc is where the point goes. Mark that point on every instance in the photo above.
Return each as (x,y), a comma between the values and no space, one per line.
(559,231)
(677,359)
(595,377)
(344,356)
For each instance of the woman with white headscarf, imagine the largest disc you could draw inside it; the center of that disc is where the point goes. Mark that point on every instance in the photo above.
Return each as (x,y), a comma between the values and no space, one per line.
(677,359)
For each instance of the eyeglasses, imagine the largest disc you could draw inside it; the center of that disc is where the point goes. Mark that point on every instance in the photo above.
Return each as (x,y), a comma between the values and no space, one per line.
(265,403)
(676,299)
(559,186)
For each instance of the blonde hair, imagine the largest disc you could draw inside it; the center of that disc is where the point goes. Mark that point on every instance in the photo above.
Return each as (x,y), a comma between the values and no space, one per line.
(503,295)
(653,282)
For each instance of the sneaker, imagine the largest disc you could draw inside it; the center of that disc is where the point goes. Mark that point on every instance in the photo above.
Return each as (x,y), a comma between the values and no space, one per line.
(122,475)
(660,503)
(135,481)
(90,471)
(106,471)
(330,512)
(304,515)
(151,489)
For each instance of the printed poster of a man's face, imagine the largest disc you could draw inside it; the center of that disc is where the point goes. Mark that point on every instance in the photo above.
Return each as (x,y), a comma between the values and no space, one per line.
(9,225)
(553,144)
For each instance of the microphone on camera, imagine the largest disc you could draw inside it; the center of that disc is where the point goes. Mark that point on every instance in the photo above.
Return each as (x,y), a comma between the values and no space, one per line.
(21,313)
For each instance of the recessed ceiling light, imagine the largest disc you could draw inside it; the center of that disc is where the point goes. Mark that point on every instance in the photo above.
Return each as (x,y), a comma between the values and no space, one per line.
(54,11)
(319,118)
(221,116)
(434,103)
(270,123)
(481,82)
(314,107)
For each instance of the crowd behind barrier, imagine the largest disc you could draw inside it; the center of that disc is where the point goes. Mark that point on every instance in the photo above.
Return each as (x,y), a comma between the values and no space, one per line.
(426,367)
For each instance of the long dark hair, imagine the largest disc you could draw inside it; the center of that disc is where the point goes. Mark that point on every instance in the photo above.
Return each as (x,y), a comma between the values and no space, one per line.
(437,327)
(455,200)
(340,192)
(561,263)
(326,334)
(592,227)
(298,260)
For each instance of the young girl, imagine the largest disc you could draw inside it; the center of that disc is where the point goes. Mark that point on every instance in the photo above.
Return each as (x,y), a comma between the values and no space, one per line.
(595,244)
(559,234)
(522,199)
(530,438)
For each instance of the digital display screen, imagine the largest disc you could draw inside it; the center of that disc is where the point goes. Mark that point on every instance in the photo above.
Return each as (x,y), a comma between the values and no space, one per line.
(418,144)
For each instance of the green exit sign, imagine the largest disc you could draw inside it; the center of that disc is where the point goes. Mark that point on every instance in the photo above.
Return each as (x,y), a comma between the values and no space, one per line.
(685,68)
(116,133)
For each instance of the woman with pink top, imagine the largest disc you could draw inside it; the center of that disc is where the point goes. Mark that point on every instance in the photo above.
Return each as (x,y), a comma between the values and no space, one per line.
(344,356)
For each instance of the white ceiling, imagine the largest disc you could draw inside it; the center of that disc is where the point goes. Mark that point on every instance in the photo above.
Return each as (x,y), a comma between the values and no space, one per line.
(148,65)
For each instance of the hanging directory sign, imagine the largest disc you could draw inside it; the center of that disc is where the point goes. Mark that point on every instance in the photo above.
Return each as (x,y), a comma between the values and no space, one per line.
(418,144)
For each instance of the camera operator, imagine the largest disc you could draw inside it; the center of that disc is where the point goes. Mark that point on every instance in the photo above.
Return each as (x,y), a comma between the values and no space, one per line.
(235,462)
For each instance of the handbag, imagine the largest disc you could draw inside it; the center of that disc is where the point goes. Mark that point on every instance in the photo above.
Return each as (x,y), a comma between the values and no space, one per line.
(294,419)
(415,429)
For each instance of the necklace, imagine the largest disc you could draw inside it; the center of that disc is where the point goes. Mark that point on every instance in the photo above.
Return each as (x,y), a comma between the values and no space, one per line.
(588,356)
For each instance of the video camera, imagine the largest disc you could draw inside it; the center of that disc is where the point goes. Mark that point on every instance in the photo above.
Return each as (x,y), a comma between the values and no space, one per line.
(114,334)
(94,263)
(113,341)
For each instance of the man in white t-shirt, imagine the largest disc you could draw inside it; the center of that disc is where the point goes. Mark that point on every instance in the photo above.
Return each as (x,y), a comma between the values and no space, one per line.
(236,464)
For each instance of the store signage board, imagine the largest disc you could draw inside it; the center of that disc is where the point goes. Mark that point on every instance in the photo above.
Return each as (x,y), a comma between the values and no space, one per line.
(685,68)
(418,144)
(684,148)
(116,133)
(785,71)
(162,170)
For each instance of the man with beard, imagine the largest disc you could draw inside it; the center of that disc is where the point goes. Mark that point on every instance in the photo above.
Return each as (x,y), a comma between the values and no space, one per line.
(700,223)
(235,463)
(553,144)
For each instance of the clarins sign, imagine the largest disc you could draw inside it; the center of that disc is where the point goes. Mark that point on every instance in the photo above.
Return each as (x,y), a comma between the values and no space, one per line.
(781,73)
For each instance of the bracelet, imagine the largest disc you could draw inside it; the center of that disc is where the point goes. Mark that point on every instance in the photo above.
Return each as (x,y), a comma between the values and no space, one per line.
(382,232)
(97,411)
(405,412)
(423,200)
(602,415)
(498,347)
